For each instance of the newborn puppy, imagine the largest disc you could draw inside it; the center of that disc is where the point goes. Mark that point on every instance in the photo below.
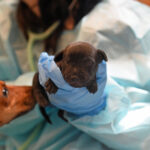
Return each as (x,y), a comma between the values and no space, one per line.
(15,101)
(78,63)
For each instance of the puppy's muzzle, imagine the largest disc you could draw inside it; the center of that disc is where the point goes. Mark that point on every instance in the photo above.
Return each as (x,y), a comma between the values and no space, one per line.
(77,80)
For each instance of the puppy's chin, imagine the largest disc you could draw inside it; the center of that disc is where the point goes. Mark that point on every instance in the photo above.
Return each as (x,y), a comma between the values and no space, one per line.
(77,83)
(75,80)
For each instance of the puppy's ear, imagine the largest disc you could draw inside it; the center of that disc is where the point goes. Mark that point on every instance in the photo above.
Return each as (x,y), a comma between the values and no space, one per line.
(59,56)
(100,55)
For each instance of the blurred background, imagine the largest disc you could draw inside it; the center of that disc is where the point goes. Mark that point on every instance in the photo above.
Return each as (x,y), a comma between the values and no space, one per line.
(19,18)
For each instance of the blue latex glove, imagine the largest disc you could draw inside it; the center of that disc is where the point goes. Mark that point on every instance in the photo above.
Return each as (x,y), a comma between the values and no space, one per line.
(75,100)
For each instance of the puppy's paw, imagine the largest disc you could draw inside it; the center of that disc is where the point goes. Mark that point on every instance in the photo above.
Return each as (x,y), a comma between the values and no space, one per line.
(92,88)
(50,87)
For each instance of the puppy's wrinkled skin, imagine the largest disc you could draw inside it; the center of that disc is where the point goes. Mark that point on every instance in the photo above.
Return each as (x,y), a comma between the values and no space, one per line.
(14,101)
(78,63)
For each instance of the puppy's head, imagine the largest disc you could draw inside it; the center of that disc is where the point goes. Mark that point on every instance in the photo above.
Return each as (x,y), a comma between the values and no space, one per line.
(78,63)
(14,101)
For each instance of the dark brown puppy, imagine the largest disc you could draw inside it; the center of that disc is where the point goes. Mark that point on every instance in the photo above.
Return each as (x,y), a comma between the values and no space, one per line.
(68,12)
(78,63)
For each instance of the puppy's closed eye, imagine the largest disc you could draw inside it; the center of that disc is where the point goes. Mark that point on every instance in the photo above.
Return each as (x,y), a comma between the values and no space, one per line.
(89,62)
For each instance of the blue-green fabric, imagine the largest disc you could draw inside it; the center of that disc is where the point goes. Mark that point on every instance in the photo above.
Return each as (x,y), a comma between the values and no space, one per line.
(31,132)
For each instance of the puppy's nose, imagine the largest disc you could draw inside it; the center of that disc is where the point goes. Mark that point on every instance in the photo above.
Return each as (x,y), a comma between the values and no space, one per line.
(75,71)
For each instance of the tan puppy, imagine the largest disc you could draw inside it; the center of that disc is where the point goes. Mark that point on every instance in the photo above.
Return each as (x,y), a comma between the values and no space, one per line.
(14,101)
(18,100)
